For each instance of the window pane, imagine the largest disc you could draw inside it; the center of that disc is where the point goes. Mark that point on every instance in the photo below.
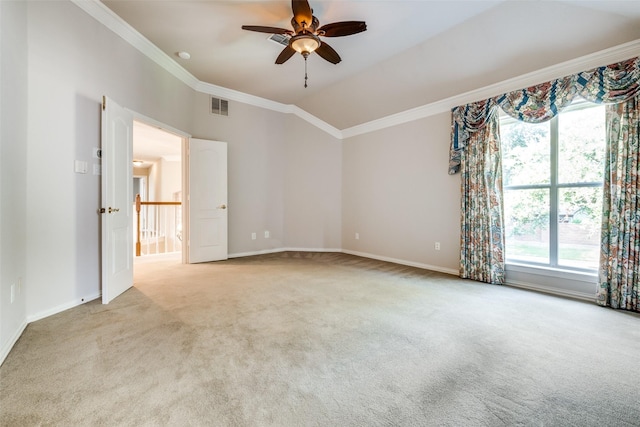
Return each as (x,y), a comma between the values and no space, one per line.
(527,225)
(581,145)
(525,153)
(579,213)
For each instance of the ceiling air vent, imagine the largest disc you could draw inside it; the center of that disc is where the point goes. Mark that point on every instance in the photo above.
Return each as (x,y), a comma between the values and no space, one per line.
(282,39)
(219,107)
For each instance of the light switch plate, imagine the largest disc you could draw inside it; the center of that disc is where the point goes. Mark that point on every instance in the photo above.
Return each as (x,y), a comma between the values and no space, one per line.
(81,166)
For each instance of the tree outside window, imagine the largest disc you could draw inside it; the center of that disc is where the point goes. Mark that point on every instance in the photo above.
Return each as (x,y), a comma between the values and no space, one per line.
(552,175)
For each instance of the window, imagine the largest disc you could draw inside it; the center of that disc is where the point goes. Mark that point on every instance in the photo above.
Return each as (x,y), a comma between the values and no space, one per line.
(552,176)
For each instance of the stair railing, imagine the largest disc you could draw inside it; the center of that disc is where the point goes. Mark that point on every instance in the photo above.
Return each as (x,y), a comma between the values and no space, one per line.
(158,224)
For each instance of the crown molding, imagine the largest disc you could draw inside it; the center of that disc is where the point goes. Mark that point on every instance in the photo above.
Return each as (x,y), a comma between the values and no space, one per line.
(596,59)
(112,21)
(257,101)
(109,19)
(320,124)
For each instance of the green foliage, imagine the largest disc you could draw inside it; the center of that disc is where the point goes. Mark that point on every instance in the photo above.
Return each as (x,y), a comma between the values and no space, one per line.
(526,160)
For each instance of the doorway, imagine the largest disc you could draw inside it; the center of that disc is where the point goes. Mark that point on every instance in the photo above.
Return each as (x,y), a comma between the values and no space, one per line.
(158,192)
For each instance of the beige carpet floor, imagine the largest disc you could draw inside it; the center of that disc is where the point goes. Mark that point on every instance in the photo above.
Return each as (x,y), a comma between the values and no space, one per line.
(311,339)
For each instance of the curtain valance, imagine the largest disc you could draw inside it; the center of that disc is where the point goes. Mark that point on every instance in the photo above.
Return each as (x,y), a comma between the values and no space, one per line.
(612,83)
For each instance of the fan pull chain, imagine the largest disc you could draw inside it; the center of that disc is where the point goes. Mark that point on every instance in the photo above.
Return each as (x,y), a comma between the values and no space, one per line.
(305,71)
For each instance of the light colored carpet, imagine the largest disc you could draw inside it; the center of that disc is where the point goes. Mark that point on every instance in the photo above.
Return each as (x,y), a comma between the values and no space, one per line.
(305,339)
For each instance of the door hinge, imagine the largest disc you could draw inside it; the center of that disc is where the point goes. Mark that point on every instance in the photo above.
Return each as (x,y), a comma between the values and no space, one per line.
(102,210)
(104,102)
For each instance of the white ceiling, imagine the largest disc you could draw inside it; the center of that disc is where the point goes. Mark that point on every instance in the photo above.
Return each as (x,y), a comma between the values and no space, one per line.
(414,52)
(224,54)
(150,144)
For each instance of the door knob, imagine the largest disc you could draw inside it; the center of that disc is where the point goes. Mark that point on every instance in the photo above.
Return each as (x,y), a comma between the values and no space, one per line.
(222,207)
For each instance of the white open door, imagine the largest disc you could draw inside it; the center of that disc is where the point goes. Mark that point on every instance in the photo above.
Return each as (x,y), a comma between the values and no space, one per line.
(207,201)
(117,200)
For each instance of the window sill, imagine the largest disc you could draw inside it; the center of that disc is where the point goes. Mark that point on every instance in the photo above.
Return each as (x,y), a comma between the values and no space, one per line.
(582,276)
(574,284)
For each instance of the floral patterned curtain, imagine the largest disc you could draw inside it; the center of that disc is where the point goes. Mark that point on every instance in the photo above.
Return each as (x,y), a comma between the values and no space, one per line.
(609,84)
(539,103)
(475,128)
(619,277)
(482,213)
(466,119)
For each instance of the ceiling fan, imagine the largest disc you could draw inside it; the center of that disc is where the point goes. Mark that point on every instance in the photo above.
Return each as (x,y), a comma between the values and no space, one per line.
(306,33)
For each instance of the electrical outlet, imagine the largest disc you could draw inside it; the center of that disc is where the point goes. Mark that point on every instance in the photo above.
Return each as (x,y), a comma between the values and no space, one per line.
(357,236)
(437,246)
(266,234)
(253,236)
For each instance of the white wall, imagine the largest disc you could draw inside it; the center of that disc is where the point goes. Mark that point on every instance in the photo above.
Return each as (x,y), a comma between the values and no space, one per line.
(306,188)
(256,166)
(71,70)
(13,165)
(154,182)
(313,188)
(170,179)
(73,61)
(284,177)
(397,195)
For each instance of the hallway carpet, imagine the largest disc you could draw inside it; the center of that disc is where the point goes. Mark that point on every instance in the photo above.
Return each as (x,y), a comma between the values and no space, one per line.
(314,339)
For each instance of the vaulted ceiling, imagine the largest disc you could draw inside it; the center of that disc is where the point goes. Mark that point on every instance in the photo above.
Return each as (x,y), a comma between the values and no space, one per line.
(413,53)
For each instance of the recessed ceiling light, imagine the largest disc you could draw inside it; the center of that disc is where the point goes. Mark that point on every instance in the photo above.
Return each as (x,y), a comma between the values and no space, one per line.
(184,55)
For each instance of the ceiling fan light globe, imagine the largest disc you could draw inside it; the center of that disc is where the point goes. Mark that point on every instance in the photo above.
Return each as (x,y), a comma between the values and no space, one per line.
(305,43)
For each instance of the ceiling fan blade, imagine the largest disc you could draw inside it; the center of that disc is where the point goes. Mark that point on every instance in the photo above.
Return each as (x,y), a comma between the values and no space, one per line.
(340,29)
(327,52)
(270,30)
(284,56)
(302,12)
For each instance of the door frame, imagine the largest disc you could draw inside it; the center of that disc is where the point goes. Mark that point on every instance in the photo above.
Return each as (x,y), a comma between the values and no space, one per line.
(185,172)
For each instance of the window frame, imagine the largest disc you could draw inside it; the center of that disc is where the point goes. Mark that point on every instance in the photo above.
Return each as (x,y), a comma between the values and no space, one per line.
(553,187)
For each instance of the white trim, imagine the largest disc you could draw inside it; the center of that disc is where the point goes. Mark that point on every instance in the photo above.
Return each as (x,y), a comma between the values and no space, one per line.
(596,59)
(245,98)
(62,307)
(320,124)
(112,21)
(4,352)
(328,250)
(256,101)
(356,253)
(552,291)
(403,262)
(578,276)
(253,253)
(277,250)
(109,19)
(155,123)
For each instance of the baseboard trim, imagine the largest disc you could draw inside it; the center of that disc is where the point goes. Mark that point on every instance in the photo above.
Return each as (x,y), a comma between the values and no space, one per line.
(277,250)
(62,307)
(552,291)
(350,252)
(403,262)
(328,250)
(14,339)
(253,253)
